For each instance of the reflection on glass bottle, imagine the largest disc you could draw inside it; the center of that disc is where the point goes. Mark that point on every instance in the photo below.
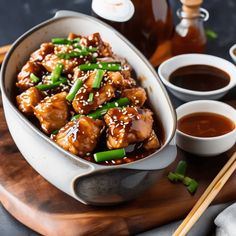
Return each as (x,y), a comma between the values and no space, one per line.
(189,35)
(149,28)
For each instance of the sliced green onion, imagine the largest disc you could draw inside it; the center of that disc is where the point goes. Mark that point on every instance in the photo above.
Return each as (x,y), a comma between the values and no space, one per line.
(90,98)
(211,34)
(98,79)
(73,54)
(103,110)
(109,155)
(173,177)
(74,89)
(75,117)
(64,41)
(193,186)
(44,87)
(55,131)
(181,168)
(34,78)
(110,66)
(56,73)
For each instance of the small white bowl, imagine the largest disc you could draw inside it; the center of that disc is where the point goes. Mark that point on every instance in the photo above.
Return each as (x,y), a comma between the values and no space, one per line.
(169,66)
(206,146)
(232,54)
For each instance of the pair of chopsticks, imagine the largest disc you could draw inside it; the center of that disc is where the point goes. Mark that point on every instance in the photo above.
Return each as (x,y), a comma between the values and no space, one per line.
(207,197)
(3,51)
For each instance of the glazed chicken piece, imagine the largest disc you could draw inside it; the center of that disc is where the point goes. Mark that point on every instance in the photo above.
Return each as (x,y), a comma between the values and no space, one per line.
(52,112)
(102,95)
(95,40)
(27,100)
(23,78)
(72,36)
(80,136)
(39,55)
(152,142)
(127,125)
(51,60)
(118,80)
(137,96)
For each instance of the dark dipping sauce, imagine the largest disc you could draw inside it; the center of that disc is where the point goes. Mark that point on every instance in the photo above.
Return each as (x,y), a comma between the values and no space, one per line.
(200,78)
(205,124)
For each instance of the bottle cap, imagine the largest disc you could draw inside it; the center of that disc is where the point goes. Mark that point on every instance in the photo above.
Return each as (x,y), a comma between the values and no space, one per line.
(114,10)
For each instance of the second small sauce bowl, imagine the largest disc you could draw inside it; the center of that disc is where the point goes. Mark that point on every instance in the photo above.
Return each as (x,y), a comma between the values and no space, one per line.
(206,146)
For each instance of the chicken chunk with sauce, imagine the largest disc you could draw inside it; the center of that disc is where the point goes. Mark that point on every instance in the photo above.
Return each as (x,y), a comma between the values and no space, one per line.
(152,142)
(127,125)
(23,79)
(27,100)
(80,136)
(45,49)
(137,96)
(52,112)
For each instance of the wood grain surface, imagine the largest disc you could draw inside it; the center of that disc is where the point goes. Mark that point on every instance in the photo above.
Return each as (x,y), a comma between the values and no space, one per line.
(47,210)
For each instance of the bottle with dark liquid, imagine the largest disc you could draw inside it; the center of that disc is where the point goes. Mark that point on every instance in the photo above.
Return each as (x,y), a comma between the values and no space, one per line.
(146,23)
(189,35)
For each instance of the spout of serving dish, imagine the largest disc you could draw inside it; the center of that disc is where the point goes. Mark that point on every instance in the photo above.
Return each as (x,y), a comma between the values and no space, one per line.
(87,182)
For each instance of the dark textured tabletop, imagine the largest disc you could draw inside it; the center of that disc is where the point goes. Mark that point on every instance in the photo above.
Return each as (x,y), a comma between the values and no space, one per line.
(17,16)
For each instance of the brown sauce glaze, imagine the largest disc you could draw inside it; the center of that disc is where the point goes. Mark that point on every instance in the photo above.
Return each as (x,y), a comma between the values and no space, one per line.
(199,78)
(205,124)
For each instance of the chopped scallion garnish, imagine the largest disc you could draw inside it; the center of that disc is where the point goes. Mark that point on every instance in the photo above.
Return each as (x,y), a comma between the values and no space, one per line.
(34,78)
(44,87)
(109,155)
(56,73)
(90,98)
(110,66)
(74,89)
(98,79)
(103,110)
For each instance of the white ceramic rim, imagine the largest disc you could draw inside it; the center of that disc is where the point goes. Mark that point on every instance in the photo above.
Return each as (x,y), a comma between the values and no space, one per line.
(213,103)
(233,56)
(230,85)
(40,133)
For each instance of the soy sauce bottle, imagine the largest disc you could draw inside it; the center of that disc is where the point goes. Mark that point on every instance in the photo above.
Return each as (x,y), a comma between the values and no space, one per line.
(147,24)
(189,35)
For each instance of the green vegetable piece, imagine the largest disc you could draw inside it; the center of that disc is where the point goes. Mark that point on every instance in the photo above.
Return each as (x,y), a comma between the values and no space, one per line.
(110,66)
(103,110)
(75,117)
(187,180)
(91,96)
(109,155)
(44,87)
(57,72)
(65,41)
(193,186)
(181,168)
(74,89)
(211,34)
(55,131)
(98,79)
(172,177)
(34,78)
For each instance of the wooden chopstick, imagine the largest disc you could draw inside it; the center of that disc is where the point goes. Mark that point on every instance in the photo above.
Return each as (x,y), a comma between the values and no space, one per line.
(207,197)
(3,51)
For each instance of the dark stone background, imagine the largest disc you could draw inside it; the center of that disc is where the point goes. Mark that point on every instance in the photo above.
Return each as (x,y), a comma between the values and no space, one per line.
(17,16)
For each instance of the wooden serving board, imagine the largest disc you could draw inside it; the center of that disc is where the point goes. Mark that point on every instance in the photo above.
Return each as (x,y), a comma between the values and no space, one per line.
(47,210)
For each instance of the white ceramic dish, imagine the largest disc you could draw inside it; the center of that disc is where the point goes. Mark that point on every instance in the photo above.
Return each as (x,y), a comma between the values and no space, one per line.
(87,182)
(232,54)
(169,66)
(206,146)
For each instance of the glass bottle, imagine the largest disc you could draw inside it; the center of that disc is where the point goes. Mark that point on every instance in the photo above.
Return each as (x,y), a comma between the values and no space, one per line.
(189,35)
(146,23)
